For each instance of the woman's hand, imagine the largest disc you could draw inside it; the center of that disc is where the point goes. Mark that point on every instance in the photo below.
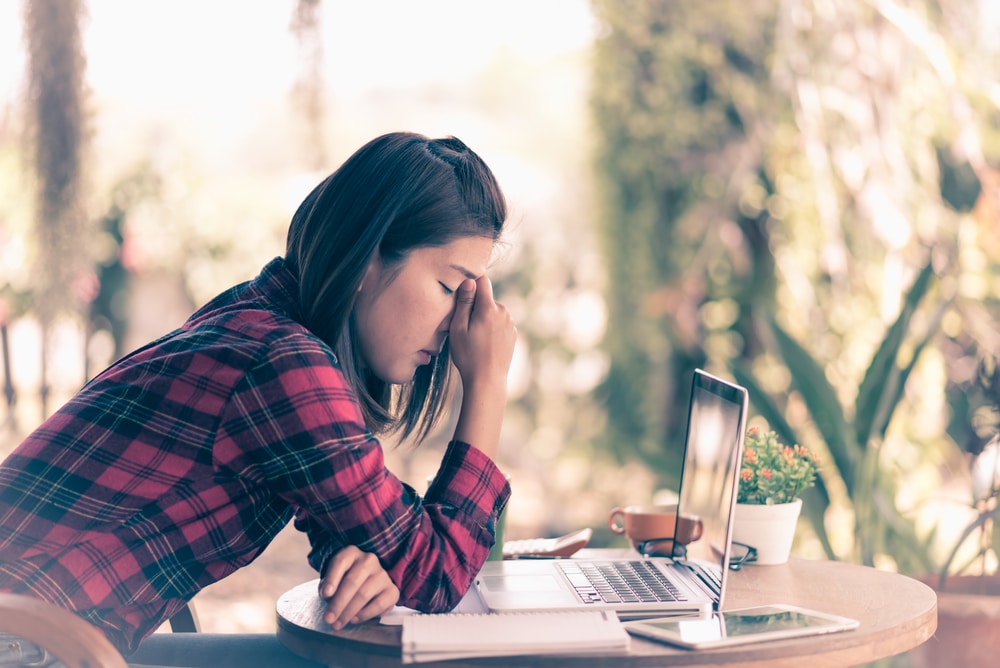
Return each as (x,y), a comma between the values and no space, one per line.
(481,339)
(482,334)
(356,588)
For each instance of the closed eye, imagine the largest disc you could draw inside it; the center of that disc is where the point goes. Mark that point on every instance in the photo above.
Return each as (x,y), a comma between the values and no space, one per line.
(447,290)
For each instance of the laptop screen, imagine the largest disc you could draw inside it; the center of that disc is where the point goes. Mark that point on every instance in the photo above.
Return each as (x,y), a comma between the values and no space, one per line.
(709,478)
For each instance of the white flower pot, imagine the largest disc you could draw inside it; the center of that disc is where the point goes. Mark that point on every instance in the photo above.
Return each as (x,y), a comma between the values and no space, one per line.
(768,529)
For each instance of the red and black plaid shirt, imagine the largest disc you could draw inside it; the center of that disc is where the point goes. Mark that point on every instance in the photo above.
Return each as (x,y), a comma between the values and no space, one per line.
(181,462)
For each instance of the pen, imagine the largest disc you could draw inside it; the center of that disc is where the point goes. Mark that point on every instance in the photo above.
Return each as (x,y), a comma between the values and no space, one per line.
(533,556)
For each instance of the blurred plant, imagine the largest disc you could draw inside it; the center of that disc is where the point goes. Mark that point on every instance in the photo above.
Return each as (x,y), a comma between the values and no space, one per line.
(773,472)
(984,489)
(853,436)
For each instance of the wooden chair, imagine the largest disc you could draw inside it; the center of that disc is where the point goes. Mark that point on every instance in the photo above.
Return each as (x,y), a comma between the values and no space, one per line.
(63,634)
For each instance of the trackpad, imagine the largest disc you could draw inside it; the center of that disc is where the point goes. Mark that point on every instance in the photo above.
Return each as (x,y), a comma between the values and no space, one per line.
(520,583)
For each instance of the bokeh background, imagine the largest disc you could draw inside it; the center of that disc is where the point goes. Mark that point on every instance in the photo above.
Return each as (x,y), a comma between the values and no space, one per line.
(801,195)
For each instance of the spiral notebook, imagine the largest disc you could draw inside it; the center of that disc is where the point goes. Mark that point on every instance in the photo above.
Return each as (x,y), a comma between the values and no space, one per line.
(455,636)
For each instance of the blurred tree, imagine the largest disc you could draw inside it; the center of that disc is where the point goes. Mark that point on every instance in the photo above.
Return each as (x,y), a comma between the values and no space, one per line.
(796,165)
(876,177)
(58,123)
(307,93)
(685,109)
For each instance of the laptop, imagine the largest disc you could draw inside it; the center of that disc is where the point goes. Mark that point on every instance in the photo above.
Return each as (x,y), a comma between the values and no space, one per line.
(691,581)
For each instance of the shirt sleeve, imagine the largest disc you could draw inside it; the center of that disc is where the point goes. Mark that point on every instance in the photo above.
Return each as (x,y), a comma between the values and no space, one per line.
(294,427)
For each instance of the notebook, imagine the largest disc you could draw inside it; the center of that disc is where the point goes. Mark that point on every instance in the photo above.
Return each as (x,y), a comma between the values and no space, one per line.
(454,636)
(690,582)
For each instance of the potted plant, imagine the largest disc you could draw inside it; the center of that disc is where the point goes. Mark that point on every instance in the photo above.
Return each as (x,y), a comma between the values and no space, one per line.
(773,476)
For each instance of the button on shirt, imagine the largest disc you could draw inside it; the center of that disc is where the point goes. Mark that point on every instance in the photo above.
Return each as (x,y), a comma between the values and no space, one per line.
(182,461)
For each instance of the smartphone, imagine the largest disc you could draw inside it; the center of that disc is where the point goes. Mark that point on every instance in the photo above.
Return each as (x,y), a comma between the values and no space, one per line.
(739,627)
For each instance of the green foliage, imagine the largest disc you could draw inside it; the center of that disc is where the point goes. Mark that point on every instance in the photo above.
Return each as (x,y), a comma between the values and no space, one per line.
(978,545)
(772,179)
(773,472)
(678,92)
(854,445)
(980,533)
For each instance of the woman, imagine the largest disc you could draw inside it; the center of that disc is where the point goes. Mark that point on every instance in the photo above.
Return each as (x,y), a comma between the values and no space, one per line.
(182,461)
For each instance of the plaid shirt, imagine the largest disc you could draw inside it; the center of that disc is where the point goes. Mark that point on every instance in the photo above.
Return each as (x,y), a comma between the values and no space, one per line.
(182,461)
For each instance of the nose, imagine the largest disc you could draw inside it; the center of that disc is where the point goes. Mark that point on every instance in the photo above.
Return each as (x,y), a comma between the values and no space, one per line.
(445,323)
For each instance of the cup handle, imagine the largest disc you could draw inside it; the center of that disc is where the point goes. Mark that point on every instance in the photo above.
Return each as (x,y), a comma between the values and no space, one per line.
(697,531)
(689,529)
(613,521)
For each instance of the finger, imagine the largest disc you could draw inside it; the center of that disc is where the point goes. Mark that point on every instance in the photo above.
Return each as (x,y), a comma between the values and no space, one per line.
(484,291)
(363,582)
(463,305)
(335,570)
(385,601)
(339,602)
(374,596)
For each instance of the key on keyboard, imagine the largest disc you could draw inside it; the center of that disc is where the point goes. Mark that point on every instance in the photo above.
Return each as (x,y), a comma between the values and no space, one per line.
(620,582)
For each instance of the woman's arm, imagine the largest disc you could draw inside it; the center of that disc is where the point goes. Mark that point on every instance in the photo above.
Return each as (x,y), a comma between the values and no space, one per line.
(481,337)
(293,427)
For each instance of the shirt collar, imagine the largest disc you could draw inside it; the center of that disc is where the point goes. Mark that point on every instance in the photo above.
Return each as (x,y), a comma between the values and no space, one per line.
(279,286)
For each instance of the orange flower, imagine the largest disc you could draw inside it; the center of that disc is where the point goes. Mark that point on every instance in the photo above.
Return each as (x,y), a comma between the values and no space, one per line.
(773,472)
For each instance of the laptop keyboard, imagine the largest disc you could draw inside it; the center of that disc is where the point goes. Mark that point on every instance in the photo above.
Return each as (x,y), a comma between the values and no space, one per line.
(712,576)
(620,582)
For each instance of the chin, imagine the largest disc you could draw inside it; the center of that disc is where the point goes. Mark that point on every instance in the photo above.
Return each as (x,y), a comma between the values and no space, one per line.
(400,376)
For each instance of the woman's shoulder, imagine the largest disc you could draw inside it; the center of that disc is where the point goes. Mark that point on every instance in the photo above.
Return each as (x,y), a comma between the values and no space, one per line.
(274,336)
(267,301)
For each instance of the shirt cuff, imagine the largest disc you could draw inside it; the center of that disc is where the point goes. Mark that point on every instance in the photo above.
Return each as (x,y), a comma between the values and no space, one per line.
(468,477)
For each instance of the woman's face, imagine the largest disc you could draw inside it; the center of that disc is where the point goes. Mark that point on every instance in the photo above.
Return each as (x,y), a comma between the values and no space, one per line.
(402,316)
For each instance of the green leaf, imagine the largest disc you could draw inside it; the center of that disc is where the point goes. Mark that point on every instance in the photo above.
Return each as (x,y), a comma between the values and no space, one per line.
(883,383)
(882,419)
(983,522)
(764,405)
(822,401)
(815,501)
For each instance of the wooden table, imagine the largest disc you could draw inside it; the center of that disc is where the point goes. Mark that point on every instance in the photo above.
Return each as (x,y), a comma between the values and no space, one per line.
(896,613)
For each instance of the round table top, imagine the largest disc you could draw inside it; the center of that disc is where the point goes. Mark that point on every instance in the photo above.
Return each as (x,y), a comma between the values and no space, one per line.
(896,614)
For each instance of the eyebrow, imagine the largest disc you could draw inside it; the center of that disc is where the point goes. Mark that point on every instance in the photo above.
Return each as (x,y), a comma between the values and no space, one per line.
(462,270)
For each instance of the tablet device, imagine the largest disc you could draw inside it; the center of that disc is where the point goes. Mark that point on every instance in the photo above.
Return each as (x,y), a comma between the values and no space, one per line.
(738,627)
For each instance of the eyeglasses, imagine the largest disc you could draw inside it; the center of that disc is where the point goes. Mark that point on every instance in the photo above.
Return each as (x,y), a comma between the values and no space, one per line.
(661,547)
(741,554)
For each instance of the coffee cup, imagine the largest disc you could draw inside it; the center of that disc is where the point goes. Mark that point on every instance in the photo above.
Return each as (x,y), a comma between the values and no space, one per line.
(652,528)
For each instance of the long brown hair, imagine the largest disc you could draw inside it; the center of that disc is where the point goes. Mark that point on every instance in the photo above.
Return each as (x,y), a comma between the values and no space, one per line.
(398,192)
